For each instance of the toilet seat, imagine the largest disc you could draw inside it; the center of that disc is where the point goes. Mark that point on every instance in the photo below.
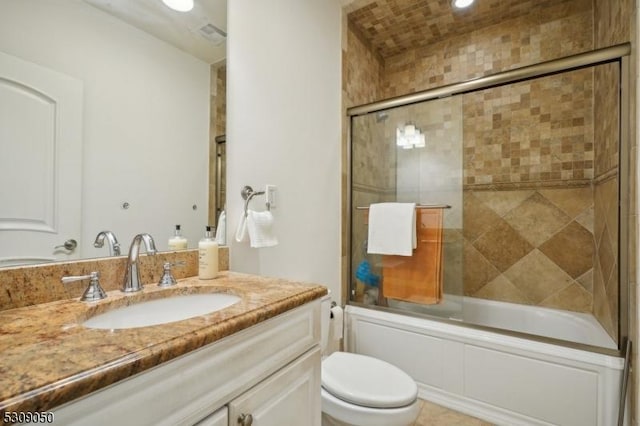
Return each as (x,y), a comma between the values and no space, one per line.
(356,415)
(367,382)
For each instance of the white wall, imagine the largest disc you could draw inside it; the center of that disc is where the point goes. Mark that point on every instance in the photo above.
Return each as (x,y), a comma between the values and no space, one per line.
(146,117)
(283,128)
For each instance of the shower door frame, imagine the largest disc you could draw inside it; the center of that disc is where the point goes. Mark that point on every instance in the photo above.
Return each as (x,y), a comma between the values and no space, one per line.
(615,54)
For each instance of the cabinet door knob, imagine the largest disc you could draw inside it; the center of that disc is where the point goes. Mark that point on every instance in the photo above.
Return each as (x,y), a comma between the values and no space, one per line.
(245,419)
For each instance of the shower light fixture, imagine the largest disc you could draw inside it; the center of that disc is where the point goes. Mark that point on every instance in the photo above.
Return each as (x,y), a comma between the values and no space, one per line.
(461,4)
(409,136)
(179,5)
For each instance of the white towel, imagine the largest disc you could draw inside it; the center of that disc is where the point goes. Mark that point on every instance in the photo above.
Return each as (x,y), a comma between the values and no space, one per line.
(392,228)
(221,231)
(260,227)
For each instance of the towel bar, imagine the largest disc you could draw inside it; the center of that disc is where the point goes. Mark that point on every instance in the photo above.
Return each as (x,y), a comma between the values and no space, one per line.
(418,206)
(247,194)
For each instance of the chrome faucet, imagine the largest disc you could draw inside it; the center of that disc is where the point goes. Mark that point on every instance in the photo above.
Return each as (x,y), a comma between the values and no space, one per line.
(114,245)
(132,274)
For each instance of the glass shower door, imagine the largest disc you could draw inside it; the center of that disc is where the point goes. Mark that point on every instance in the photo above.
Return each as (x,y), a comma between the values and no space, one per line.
(411,154)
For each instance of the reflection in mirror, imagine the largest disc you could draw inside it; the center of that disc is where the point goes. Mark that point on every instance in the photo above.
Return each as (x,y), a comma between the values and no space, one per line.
(107,125)
(220,183)
(217,147)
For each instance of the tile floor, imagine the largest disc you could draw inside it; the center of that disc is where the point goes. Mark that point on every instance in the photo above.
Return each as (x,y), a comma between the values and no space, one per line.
(436,415)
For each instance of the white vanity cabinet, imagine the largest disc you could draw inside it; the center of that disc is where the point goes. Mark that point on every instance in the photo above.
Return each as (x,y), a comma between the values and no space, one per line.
(289,397)
(219,418)
(269,373)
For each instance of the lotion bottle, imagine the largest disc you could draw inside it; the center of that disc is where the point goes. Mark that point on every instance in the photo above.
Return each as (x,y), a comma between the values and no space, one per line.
(177,242)
(207,256)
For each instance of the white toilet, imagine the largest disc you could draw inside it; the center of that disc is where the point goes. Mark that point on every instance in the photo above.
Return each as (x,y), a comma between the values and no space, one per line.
(360,390)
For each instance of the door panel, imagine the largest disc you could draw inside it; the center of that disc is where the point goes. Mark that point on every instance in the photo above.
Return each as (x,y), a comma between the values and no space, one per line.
(40,162)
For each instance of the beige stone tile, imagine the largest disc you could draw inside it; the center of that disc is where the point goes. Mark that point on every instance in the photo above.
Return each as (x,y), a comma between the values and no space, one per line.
(572,201)
(502,202)
(430,408)
(571,249)
(633,315)
(453,216)
(451,235)
(605,255)
(500,288)
(436,415)
(601,308)
(597,277)
(632,182)
(537,276)
(477,270)
(586,280)
(586,219)
(610,199)
(633,248)
(477,218)
(599,214)
(572,298)
(502,246)
(612,291)
(453,268)
(450,419)
(537,219)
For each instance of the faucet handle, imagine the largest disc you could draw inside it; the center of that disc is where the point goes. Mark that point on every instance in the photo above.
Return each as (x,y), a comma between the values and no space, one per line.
(94,291)
(167,279)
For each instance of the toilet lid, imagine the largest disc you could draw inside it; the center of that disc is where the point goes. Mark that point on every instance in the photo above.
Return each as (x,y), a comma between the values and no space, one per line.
(367,381)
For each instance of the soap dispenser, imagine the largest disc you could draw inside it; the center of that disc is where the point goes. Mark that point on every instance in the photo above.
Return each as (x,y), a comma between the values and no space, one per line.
(177,242)
(207,256)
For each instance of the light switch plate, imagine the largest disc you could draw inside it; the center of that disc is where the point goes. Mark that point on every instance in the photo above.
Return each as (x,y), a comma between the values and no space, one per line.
(271,196)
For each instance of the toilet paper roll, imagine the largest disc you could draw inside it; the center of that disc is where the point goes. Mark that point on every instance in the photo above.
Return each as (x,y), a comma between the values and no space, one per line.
(337,321)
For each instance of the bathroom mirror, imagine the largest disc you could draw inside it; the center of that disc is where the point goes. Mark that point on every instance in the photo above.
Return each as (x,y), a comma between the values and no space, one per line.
(124,138)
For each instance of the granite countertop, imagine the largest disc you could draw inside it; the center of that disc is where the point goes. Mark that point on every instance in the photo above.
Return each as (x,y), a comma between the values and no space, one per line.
(47,358)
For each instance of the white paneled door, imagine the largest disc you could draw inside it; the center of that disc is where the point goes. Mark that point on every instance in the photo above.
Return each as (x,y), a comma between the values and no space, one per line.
(40,163)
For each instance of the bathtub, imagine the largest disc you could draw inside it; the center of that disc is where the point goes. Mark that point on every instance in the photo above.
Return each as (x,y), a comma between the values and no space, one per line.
(502,378)
(556,324)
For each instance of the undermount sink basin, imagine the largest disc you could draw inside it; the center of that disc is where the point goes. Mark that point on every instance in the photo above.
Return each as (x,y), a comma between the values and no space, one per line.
(161,311)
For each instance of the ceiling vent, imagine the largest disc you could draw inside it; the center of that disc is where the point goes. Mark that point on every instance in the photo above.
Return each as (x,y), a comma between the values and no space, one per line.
(214,34)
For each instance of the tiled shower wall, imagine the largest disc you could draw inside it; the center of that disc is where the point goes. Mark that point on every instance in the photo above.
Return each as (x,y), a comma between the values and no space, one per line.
(535,131)
(506,158)
(374,183)
(549,30)
(612,25)
(361,84)
(528,216)
(221,100)
(432,175)
(514,172)
(532,246)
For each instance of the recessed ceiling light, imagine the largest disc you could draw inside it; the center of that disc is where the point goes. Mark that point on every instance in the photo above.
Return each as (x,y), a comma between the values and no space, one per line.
(461,4)
(179,5)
